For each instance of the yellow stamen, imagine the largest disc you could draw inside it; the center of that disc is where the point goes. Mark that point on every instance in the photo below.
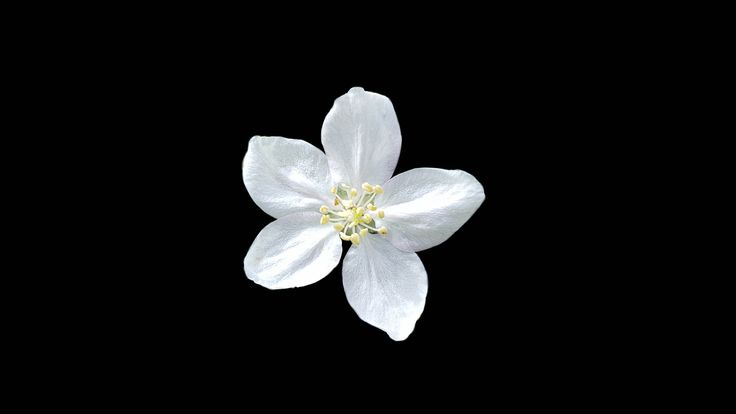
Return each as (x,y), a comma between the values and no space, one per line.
(378,189)
(339,227)
(333,190)
(324,209)
(344,236)
(371,207)
(381,213)
(353,192)
(325,219)
(363,232)
(367,188)
(355,239)
(383,230)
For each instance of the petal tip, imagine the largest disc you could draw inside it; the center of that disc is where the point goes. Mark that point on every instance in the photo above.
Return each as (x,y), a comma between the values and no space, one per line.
(356,89)
(402,334)
(255,139)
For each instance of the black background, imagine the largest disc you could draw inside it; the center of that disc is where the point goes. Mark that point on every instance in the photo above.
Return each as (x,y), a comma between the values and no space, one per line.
(504,291)
(149,125)
(489,284)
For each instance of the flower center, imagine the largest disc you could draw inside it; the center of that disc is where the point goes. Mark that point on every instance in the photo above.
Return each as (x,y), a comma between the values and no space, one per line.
(351,214)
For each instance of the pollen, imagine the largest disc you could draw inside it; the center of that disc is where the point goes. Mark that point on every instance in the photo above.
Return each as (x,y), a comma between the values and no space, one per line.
(325,219)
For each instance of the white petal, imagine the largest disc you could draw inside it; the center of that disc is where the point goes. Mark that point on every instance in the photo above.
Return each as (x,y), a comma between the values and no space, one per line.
(285,176)
(361,137)
(293,251)
(385,286)
(425,206)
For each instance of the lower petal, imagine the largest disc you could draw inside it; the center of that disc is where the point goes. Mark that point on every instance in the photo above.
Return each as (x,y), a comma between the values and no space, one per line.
(293,251)
(385,286)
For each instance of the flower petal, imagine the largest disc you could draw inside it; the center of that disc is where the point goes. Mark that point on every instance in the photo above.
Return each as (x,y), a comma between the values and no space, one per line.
(385,286)
(285,176)
(293,251)
(425,206)
(361,137)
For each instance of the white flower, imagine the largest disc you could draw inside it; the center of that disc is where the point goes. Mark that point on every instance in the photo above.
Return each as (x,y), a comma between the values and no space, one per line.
(349,194)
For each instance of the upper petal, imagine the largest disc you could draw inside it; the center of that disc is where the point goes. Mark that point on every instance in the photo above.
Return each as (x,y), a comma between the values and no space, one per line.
(425,206)
(385,286)
(361,137)
(293,251)
(285,176)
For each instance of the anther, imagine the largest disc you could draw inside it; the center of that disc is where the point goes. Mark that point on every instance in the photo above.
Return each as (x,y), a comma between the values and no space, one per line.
(371,207)
(367,188)
(381,213)
(378,189)
(383,230)
(360,211)
(367,218)
(353,192)
(344,236)
(333,190)
(355,238)
(339,227)
(324,209)
(325,218)
(337,202)
(363,232)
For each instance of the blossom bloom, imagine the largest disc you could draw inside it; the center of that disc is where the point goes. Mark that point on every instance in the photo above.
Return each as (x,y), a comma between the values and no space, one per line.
(348,193)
